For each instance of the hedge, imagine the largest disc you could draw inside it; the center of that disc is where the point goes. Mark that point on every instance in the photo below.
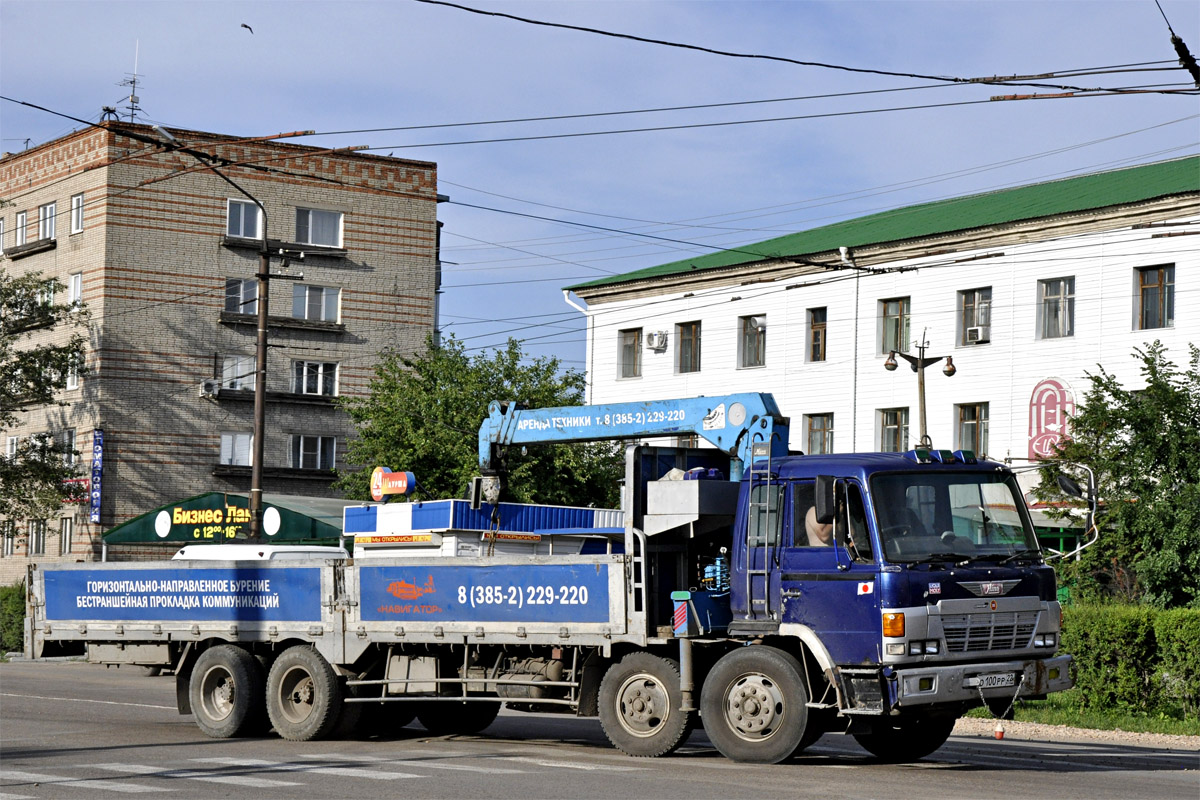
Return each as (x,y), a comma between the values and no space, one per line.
(1134,658)
(12,618)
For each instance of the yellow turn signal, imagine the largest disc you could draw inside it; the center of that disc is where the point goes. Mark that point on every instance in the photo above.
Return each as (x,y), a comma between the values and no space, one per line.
(893,623)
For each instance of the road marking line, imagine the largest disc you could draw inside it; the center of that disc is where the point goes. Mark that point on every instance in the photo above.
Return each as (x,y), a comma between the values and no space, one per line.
(80,783)
(413,763)
(7,796)
(298,766)
(546,762)
(82,700)
(173,774)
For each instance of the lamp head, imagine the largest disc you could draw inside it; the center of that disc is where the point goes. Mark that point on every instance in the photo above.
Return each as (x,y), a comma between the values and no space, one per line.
(890,364)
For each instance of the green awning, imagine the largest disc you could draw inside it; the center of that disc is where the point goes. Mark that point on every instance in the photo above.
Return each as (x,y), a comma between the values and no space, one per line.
(217,517)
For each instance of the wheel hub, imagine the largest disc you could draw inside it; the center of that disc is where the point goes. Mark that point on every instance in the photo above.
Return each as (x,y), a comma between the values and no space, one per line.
(644,705)
(754,707)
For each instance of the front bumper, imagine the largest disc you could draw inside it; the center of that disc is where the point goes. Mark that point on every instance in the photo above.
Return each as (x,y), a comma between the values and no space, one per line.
(925,685)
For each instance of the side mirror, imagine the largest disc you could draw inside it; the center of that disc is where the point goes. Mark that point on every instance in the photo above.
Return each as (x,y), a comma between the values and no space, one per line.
(826,508)
(1069,486)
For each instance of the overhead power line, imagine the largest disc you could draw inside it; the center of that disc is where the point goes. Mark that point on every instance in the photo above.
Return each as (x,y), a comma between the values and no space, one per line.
(1010,80)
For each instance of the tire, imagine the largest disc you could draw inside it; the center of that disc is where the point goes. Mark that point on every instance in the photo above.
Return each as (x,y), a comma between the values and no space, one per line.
(304,696)
(641,707)
(463,719)
(754,705)
(909,739)
(151,672)
(226,692)
(818,723)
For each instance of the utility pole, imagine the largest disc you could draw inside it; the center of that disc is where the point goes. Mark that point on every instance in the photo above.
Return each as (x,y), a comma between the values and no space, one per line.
(919,362)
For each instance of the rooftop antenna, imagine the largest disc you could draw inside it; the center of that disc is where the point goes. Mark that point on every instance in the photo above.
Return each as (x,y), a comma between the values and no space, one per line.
(132,81)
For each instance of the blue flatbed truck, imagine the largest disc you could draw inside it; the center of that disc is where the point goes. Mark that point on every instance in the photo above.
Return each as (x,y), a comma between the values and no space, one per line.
(777,596)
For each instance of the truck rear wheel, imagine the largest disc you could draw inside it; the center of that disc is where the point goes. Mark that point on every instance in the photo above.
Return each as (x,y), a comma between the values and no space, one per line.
(226,691)
(304,697)
(445,719)
(908,739)
(754,705)
(641,707)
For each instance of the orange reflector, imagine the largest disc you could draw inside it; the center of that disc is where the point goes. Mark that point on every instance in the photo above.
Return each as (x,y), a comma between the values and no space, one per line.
(893,623)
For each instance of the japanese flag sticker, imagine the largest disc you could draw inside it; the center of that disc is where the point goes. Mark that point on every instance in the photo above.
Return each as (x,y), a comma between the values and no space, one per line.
(866,587)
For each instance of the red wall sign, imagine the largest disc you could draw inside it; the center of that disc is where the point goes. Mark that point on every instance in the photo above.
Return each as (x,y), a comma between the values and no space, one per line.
(1050,405)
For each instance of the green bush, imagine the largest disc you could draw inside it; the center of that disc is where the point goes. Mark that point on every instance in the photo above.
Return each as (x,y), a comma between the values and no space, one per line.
(12,617)
(1116,657)
(1177,633)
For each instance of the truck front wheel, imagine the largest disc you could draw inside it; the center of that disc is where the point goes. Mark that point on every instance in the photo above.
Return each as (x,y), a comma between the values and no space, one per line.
(226,691)
(304,697)
(754,705)
(641,708)
(907,739)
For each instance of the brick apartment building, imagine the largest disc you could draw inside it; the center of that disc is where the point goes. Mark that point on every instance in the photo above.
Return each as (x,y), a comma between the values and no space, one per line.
(162,254)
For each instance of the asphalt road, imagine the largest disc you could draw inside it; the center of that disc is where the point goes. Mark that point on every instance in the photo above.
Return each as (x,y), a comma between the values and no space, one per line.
(70,730)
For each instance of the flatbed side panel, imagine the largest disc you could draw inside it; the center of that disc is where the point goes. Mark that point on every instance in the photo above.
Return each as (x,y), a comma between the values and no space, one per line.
(186,601)
(486,598)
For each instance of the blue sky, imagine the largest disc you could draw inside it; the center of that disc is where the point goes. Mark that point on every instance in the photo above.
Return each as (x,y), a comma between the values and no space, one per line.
(335,66)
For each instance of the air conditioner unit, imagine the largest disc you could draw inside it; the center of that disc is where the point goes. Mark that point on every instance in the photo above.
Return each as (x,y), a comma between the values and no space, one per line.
(209,388)
(656,340)
(979,334)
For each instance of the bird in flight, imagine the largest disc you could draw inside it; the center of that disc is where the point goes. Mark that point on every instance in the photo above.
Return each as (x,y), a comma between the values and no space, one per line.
(247,27)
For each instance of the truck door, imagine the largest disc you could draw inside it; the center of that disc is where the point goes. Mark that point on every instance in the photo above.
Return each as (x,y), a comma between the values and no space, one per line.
(827,574)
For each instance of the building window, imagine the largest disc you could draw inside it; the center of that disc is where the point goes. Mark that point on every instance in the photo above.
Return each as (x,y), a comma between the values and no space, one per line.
(820,434)
(237,449)
(46,215)
(894,330)
(19,236)
(314,377)
(973,427)
(66,527)
(816,334)
(243,220)
(64,441)
(893,430)
(975,316)
(1056,307)
(687,336)
(315,302)
(37,537)
(313,452)
(1156,297)
(8,537)
(77,212)
(319,227)
(71,381)
(1,233)
(752,343)
(238,372)
(630,352)
(75,290)
(241,295)
(10,447)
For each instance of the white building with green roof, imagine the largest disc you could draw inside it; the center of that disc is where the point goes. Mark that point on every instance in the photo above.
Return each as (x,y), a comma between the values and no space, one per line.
(1027,290)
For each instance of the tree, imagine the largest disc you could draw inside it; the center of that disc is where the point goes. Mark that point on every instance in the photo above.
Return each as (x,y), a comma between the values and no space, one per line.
(35,365)
(423,415)
(1144,446)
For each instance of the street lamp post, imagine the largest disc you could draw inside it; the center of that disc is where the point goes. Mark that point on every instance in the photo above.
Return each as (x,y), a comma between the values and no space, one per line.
(919,362)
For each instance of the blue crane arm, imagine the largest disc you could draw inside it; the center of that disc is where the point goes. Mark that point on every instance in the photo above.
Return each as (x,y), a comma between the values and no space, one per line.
(733,423)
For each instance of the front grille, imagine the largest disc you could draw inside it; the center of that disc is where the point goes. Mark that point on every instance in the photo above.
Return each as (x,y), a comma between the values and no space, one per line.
(978,633)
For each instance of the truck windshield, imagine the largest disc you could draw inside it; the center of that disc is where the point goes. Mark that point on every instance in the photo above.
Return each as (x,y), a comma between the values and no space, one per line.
(951,517)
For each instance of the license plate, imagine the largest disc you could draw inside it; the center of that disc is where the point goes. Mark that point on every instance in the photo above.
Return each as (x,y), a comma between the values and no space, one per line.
(993,680)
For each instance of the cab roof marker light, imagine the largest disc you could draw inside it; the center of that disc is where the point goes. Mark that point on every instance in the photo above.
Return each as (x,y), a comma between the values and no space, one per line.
(943,456)
(920,455)
(966,456)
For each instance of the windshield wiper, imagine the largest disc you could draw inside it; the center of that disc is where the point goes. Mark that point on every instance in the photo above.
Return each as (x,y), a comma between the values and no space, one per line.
(1031,554)
(936,558)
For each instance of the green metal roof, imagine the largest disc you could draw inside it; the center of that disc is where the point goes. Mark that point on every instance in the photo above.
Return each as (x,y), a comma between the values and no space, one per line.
(1065,196)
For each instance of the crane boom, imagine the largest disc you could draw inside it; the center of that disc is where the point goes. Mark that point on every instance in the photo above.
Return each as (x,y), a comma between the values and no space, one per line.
(733,423)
